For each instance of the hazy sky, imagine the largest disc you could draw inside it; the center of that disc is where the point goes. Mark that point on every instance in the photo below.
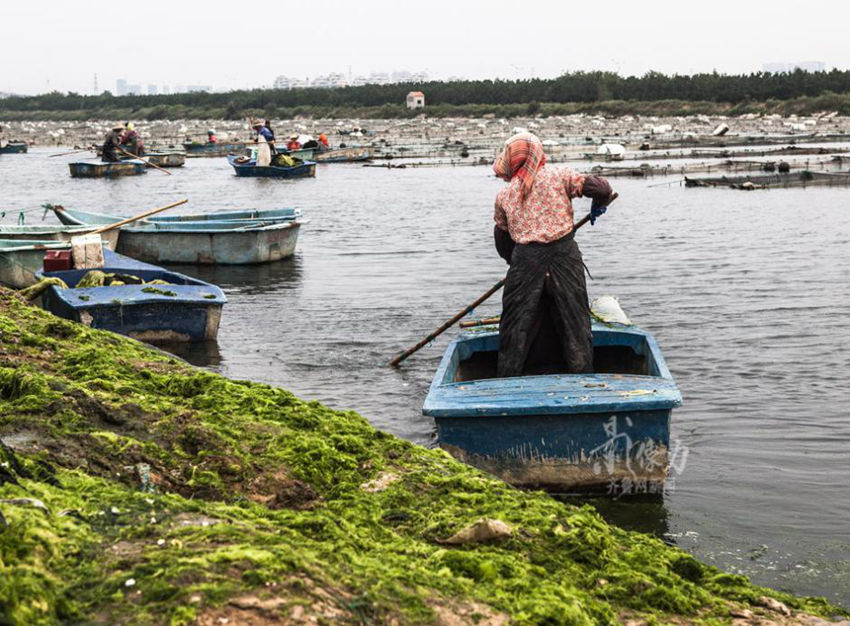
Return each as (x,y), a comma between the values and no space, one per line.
(58,44)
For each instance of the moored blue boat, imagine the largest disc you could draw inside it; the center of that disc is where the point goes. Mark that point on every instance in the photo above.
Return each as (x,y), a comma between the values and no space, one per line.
(226,242)
(14,147)
(306,169)
(93,168)
(75,217)
(605,432)
(186,309)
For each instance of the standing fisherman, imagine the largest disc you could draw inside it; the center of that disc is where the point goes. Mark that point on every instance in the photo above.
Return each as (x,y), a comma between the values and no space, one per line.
(111,143)
(265,143)
(533,233)
(133,140)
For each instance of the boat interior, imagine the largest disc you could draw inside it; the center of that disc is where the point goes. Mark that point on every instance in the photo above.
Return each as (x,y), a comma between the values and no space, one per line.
(615,351)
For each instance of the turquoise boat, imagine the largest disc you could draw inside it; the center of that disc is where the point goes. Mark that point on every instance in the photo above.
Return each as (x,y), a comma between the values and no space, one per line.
(75,217)
(93,168)
(22,259)
(56,233)
(605,432)
(237,241)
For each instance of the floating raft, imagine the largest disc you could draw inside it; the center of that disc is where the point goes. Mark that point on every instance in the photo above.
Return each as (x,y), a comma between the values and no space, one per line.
(100,169)
(771,181)
(186,309)
(250,169)
(345,155)
(568,433)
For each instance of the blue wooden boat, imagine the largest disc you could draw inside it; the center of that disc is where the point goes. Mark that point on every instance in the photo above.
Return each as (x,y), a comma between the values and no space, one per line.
(304,170)
(75,217)
(14,147)
(93,168)
(345,155)
(187,309)
(606,432)
(220,149)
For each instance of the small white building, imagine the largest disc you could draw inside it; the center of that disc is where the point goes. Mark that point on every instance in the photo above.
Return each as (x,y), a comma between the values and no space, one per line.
(416,100)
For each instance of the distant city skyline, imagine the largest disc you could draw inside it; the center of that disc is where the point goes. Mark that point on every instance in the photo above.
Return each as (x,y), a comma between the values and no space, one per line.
(187,43)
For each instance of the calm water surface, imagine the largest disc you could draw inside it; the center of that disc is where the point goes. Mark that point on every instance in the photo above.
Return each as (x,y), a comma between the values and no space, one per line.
(748,295)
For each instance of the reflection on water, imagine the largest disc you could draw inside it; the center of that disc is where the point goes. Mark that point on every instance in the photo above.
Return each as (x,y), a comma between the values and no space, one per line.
(199,353)
(644,514)
(747,294)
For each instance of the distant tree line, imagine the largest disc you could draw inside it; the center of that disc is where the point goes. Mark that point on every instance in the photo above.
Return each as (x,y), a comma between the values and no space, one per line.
(575,87)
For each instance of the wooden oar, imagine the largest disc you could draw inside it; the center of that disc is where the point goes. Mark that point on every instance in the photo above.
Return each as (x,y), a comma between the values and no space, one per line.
(107,227)
(401,357)
(136,156)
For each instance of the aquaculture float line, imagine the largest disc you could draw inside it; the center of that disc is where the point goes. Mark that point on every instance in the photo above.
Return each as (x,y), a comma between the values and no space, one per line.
(135,489)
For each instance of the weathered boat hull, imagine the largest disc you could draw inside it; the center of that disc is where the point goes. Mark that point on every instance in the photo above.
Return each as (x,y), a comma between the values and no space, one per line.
(244,246)
(101,169)
(21,259)
(75,217)
(187,309)
(18,147)
(57,233)
(194,150)
(166,159)
(603,433)
(305,170)
(346,155)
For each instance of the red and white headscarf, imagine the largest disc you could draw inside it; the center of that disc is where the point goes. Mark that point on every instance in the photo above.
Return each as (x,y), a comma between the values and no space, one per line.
(522,157)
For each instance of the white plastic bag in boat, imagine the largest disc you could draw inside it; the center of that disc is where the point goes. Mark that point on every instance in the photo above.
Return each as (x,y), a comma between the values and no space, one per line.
(607,309)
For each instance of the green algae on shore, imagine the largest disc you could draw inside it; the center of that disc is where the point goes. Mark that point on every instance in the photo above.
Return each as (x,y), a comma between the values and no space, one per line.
(173,495)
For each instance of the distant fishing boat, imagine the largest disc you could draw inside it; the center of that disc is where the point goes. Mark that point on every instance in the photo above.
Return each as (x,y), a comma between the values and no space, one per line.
(166,158)
(251,169)
(16,147)
(219,149)
(100,169)
(345,155)
(596,433)
(185,309)
(75,217)
(55,233)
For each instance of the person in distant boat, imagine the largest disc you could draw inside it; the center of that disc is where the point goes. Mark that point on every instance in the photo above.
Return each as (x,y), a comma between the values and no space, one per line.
(132,140)
(534,234)
(323,142)
(293,143)
(211,138)
(268,125)
(110,144)
(265,145)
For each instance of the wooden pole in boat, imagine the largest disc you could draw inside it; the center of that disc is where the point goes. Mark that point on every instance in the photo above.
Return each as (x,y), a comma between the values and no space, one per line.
(103,229)
(467,309)
(147,162)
